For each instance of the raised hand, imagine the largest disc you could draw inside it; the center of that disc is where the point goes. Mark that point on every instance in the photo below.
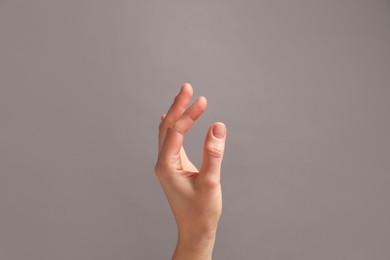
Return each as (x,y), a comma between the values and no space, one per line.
(194,195)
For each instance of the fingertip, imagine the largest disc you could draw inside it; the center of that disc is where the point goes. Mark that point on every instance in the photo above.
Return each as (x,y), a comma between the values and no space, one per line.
(202,100)
(187,87)
(220,123)
(219,130)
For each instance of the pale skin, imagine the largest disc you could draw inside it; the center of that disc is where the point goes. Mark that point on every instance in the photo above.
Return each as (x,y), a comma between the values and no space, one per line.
(194,195)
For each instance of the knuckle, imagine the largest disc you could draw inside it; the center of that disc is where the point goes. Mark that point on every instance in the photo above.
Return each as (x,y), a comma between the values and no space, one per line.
(211,182)
(165,125)
(174,127)
(160,168)
(162,125)
(214,151)
(157,168)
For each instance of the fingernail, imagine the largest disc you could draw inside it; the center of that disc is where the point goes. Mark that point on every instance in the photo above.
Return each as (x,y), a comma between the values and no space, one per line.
(219,130)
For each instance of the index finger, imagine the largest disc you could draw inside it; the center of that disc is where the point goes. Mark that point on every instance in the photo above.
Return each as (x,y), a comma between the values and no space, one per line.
(177,108)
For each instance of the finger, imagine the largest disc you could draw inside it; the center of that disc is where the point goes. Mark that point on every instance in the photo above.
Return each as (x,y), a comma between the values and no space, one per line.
(186,120)
(187,164)
(170,150)
(180,103)
(175,134)
(160,140)
(213,151)
(177,108)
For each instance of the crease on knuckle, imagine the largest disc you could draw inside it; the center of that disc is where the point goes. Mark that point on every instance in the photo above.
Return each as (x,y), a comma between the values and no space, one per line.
(189,118)
(214,151)
(165,125)
(175,127)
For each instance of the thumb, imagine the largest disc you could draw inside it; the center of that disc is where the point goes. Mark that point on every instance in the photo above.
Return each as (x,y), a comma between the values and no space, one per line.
(213,151)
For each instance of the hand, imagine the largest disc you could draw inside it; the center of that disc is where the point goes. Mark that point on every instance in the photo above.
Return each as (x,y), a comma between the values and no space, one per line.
(194,195)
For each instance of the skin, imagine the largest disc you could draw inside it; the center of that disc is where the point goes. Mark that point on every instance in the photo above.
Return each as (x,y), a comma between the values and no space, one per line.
(194,195)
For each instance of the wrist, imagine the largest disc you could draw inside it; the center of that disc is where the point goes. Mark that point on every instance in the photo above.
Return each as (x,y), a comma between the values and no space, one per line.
(195,244)
(190,235)
(194,249)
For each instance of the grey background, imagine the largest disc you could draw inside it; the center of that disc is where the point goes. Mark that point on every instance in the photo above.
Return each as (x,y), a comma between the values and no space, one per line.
(303,87)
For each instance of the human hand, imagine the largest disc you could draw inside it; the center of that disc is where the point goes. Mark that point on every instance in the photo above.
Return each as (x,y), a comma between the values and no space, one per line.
(194,195)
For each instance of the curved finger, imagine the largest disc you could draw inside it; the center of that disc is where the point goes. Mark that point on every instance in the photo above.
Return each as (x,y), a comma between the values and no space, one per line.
(177,108)
(186,120)
(173,142)
(180,104)
(170,150)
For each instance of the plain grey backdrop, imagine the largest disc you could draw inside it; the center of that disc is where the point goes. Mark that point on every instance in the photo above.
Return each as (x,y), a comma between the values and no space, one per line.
(303,87)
